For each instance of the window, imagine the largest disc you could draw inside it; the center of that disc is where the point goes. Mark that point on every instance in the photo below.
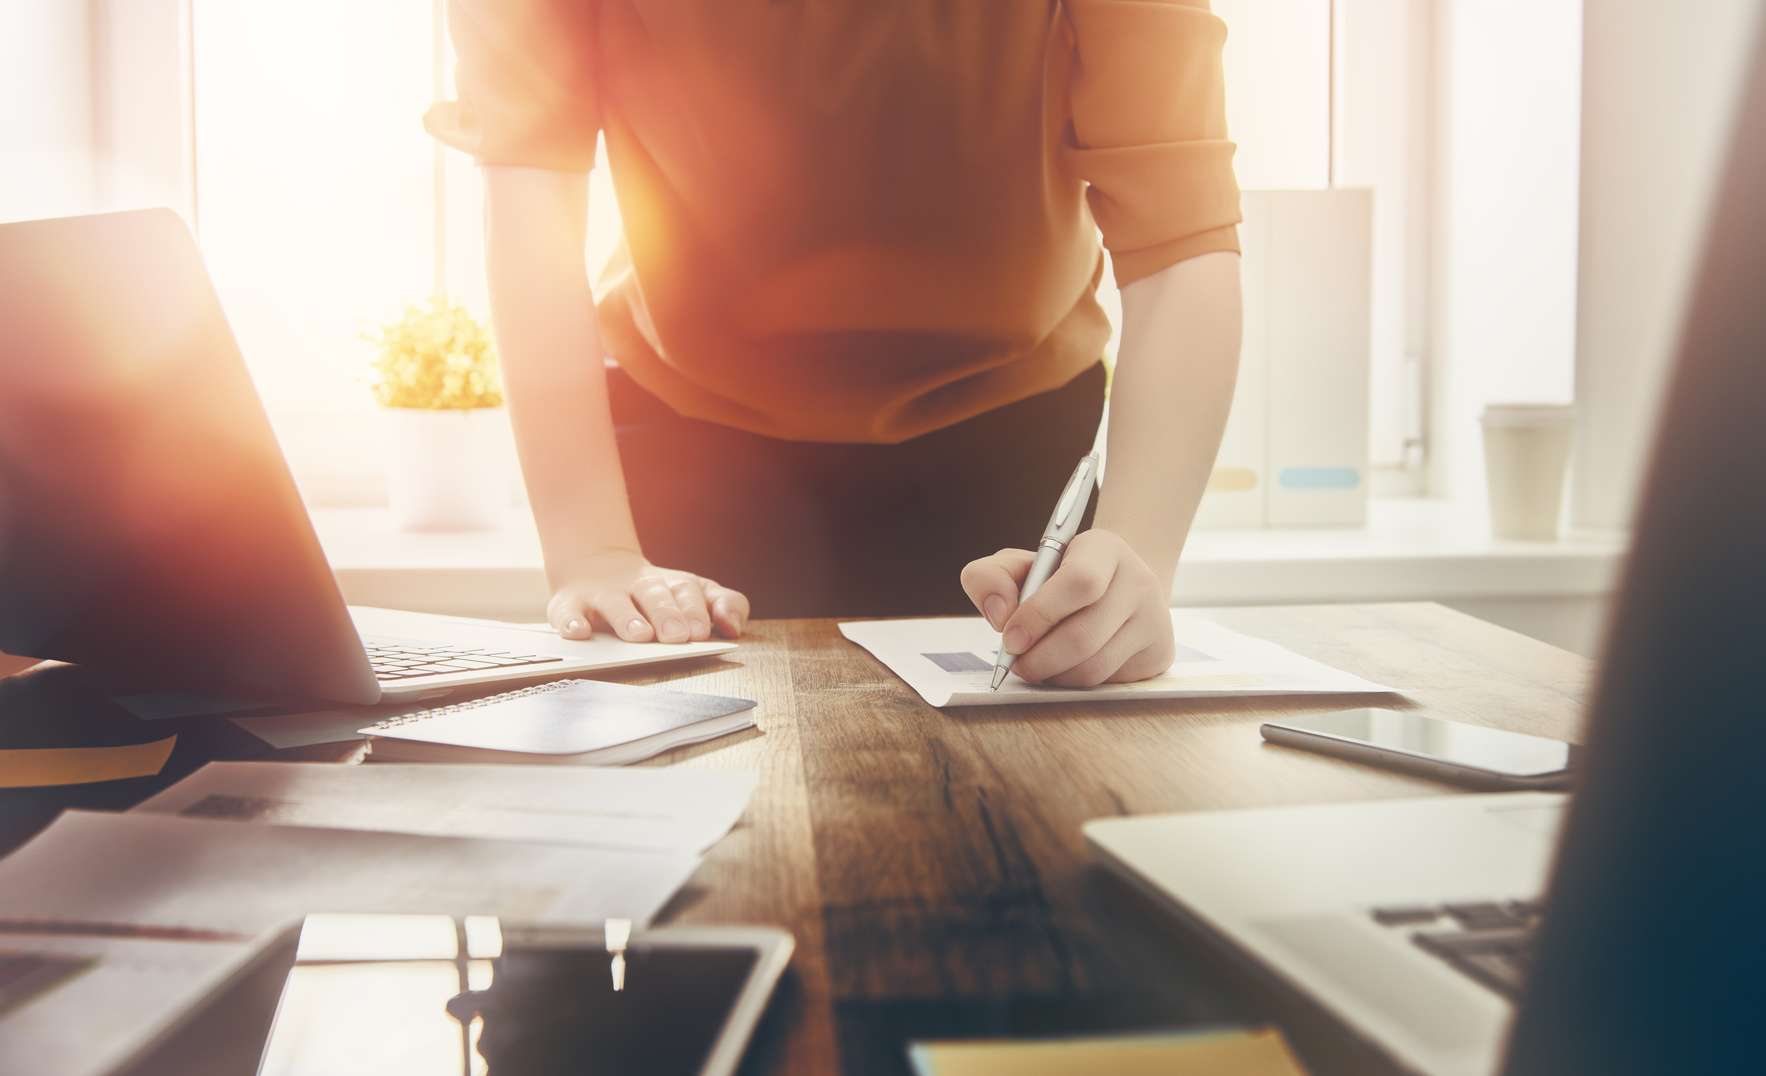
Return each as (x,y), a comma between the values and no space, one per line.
(324,208)
(1334,93)
(1461,116)
(290,136)
(46,151)
(1506,158)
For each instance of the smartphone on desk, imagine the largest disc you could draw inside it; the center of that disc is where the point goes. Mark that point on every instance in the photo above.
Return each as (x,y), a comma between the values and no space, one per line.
(1432,747)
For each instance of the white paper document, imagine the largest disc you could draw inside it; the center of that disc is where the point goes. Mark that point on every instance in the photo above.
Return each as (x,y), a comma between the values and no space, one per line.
(81,1004)
(949,661)
(144,869)
(606,807)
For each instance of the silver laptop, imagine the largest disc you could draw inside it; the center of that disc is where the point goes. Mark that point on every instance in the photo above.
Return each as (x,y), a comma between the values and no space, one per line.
(149,527)
(1614,931)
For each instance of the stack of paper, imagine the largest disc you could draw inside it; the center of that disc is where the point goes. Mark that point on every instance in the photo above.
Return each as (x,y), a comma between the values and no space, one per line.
(576,845)
(606,807)
(111,923)
(949,661)
(92,1004)
(581,845)
(97,871)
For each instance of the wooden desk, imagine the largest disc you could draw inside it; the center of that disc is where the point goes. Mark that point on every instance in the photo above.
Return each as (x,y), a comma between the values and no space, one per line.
(930,863)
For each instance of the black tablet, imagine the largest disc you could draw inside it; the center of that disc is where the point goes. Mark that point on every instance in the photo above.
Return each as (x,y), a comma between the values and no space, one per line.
(673,1001)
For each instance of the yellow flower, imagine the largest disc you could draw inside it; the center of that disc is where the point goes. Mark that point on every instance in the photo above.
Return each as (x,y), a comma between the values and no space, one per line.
(435,358)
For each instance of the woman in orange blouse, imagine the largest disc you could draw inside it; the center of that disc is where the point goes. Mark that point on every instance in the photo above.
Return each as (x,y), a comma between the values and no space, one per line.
(852,331)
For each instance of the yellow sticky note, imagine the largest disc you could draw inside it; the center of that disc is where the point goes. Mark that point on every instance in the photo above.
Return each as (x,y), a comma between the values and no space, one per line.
(39,767)
(1242,1053)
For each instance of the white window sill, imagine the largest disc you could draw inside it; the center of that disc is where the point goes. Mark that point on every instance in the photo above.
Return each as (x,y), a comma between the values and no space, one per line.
(1410,550)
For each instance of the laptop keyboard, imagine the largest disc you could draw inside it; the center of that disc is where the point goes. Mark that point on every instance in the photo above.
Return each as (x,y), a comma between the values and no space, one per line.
(394,659)
(1488,941)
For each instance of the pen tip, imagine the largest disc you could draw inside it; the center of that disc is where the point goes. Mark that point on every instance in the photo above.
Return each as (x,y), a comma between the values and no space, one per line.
(999,677)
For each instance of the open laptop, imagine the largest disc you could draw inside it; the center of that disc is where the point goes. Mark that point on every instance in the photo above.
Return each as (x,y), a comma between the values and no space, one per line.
(149,526)
(1615,931)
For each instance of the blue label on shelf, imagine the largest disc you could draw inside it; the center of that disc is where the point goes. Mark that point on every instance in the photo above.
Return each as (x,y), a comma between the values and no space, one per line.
(1319,478)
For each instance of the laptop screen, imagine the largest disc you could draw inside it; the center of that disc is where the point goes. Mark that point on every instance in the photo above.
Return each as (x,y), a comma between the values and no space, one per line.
(1652,955)
(148,523)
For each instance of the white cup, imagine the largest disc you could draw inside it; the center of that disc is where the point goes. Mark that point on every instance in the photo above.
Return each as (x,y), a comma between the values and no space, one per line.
(1526,459)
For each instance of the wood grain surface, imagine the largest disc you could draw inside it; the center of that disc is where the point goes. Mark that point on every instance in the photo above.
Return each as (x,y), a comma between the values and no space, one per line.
(930,863)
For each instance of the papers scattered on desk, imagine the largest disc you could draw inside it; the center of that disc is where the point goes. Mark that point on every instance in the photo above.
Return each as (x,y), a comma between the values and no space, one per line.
(1242,1053)
(91,1004)
(949,661)
(157,870)
(684,809)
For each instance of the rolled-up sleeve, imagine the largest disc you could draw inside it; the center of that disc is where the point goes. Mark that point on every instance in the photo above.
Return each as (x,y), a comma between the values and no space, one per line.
(1149,131)
(525,83)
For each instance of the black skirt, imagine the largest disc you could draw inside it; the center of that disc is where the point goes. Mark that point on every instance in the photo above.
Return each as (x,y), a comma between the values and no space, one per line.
(811,529)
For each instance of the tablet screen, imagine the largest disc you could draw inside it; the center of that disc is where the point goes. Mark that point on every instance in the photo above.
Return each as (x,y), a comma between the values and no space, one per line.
(529,1012)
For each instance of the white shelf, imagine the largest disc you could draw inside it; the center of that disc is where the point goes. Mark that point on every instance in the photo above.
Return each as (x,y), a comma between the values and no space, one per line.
(1411,549)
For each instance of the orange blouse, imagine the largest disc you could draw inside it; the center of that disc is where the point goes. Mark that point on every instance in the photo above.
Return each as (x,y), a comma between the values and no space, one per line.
(848,220)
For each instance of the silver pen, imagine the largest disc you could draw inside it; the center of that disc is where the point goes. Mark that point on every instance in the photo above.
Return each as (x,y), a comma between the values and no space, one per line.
(1063,525)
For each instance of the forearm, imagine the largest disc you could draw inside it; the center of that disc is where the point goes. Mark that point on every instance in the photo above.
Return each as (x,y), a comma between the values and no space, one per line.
(1169,399)
(544,320)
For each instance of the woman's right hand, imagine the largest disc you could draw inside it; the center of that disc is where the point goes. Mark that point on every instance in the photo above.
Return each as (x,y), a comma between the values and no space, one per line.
(618,590)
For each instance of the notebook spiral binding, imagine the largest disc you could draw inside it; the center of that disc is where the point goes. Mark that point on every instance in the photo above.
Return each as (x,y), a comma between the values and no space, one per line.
(471,704)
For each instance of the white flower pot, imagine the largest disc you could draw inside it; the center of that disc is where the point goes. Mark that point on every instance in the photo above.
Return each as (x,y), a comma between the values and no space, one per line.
(445,472)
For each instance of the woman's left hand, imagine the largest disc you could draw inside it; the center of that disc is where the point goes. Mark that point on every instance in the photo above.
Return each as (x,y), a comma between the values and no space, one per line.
(1102,617)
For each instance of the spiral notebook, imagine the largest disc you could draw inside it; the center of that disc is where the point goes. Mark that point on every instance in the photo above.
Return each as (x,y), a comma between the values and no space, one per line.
(581,722)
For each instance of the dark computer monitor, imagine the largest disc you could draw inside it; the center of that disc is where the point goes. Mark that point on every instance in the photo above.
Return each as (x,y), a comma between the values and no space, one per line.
(1652,958)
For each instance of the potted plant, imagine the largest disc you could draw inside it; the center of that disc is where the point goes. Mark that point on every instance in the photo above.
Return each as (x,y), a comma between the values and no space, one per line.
(435,373)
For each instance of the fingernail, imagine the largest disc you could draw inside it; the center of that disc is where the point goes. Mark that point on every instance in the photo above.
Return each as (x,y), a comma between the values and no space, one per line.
(573,624)
(1016,640)
(995,608)
(674,627)
(635,626)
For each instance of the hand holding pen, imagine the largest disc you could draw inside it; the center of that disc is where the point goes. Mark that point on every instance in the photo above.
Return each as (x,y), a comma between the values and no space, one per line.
(1062,526)
(1083,608)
